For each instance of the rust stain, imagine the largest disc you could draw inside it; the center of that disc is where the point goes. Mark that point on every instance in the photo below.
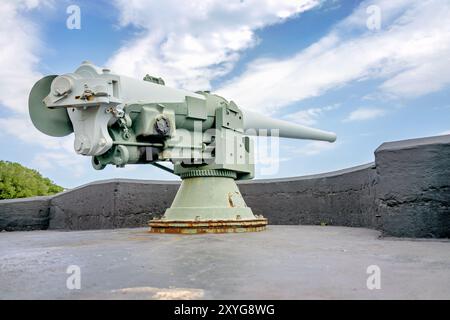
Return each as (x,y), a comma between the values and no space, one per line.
(230,201)
(212,226)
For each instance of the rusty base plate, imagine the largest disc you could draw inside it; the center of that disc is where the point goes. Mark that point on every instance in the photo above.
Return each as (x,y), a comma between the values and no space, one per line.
(211,226)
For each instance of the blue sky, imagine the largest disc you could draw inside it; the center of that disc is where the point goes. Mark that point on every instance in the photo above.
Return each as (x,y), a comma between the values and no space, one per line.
(327,64)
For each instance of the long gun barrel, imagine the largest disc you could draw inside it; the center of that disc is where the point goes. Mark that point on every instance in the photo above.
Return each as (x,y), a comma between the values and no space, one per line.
(286,129)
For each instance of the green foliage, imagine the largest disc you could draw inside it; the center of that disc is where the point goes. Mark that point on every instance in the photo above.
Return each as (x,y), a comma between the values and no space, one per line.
(17,181)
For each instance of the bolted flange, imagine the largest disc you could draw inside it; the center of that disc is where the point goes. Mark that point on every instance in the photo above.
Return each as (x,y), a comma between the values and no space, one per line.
(211,226)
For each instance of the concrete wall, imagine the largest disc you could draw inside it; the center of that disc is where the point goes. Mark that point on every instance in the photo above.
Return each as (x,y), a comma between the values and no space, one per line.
(406,193)
(117,203)
(343,198)
(24,214)
(413,189)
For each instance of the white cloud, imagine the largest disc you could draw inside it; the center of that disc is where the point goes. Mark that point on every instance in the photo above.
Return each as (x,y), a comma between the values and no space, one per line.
(308,149)
(361,114)
(190,43)
(71,162)
(22,128)
(310,116)
(444,133)
(56,152)
(19,41)
(411,53)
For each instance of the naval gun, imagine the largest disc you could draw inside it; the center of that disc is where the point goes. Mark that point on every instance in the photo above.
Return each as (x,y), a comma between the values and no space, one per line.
(118,120)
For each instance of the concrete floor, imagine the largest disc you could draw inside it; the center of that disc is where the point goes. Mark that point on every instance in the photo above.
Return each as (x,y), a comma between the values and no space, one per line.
(284,262)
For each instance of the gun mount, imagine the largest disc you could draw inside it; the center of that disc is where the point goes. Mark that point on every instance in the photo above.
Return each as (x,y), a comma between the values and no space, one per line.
(118,120)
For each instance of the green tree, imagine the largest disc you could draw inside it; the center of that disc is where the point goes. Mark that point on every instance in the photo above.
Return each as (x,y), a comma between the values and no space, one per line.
(17,181)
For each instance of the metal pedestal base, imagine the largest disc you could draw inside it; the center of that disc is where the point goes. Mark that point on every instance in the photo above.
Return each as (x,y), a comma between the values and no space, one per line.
(208,201)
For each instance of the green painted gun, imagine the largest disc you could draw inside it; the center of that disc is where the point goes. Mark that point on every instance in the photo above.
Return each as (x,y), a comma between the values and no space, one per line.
(118,120)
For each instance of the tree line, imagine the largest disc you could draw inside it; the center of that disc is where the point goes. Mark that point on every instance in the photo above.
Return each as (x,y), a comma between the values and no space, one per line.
(17,181)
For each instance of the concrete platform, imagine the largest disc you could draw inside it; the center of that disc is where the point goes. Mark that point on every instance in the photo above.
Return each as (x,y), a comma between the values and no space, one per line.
(284,262)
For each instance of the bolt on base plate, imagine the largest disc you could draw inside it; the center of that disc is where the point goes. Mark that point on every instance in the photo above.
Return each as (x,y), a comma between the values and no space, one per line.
(207,226)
